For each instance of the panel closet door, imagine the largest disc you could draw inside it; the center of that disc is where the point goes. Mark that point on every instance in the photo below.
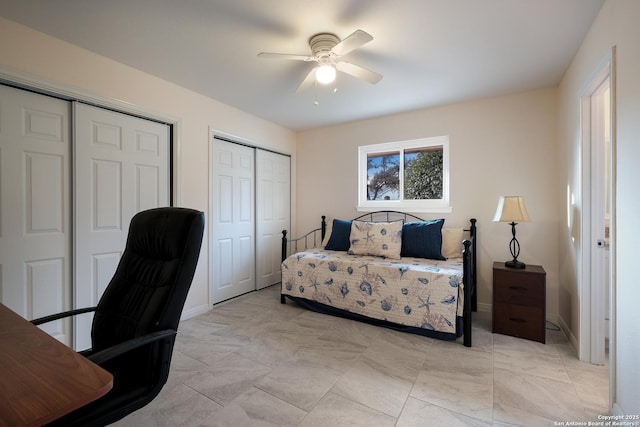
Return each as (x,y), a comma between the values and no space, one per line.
(35,228)
(273,212)
(121,168)
(233,220)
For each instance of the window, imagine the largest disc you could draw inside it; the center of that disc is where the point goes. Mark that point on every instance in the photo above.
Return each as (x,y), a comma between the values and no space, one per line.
(410,175)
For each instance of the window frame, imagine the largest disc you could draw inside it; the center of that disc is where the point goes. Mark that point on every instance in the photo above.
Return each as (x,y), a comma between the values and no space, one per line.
(425,206)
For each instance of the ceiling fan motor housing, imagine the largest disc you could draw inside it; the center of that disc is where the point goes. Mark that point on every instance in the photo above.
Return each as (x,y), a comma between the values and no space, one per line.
(321,44)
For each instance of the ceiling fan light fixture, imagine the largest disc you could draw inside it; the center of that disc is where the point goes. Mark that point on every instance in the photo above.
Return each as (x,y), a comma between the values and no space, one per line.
(325,74)
(327,51)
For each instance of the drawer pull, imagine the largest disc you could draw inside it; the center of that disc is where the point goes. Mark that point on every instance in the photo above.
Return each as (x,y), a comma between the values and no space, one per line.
(518,288)
(517,320)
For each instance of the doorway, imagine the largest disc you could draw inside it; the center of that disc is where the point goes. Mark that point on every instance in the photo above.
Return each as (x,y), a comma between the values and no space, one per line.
(600,106)
(598,220)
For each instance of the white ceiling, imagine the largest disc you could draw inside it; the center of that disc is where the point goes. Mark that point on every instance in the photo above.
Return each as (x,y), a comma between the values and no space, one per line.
(431,52)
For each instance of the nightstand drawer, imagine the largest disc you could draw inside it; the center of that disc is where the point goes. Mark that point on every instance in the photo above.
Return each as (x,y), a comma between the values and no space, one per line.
(524,289)
(519,321)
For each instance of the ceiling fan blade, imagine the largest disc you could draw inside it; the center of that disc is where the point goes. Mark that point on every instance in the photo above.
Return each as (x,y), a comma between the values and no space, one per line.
(359,72)
(308,81)
(270,55)
(353,41)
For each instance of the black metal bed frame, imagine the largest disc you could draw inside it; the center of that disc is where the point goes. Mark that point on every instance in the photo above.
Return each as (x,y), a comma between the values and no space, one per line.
(469,257)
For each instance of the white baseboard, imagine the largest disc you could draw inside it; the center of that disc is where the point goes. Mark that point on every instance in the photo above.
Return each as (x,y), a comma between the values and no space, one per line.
(484,308)
(195,311)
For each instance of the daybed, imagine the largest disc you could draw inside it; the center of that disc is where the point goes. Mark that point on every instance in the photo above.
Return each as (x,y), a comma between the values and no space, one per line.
(387,268)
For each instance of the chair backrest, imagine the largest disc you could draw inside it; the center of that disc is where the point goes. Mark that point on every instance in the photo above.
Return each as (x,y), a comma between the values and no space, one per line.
(149,288)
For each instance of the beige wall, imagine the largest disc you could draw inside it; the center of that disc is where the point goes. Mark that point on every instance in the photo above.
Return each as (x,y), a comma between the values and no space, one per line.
(498,146)
(28,52)
(617,24)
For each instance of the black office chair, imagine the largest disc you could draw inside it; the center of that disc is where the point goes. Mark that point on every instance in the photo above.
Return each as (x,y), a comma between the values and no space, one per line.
(136,321)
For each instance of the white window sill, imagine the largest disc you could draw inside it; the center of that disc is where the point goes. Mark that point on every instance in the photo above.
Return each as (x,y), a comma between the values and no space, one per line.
(403,208)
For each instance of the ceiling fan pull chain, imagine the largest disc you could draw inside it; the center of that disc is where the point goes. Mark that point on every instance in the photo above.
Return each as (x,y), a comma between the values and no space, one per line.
(315,94)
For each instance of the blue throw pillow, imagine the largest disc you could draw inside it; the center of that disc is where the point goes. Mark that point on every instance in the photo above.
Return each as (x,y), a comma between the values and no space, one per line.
(339,240)
(422,239)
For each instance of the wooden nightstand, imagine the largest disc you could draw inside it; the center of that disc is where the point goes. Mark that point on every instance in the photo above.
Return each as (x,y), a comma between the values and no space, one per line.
(519,301)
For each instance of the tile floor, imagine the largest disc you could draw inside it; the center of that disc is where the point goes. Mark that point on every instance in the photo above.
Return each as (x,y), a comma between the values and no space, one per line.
(254,362)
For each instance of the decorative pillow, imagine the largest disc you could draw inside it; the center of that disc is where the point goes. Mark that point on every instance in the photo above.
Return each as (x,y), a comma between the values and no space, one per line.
(452,242)
(339,240)
(376,238)
(423,239)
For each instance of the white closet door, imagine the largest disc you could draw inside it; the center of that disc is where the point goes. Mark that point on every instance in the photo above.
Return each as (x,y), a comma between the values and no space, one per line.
(121,168)
(273,211)
(34,206)
(233,220)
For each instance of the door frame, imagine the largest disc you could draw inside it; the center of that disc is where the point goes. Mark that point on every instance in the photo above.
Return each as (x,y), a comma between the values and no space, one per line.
(592,337)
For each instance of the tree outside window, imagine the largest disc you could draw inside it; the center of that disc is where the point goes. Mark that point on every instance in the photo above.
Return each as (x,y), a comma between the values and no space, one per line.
(383,176)
(423,174)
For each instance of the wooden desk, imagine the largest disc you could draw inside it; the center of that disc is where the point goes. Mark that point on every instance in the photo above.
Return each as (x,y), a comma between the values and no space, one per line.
(42,379)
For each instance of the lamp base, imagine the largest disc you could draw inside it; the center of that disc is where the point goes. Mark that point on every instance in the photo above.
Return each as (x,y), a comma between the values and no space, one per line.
(515,264)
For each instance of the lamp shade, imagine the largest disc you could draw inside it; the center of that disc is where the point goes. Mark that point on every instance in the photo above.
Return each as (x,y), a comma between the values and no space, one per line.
(511,209)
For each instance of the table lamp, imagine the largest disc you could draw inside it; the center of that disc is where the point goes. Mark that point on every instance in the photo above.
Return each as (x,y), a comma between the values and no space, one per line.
(512,209)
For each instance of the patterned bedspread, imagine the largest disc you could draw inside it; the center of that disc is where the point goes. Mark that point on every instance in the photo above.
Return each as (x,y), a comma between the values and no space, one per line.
(410,291)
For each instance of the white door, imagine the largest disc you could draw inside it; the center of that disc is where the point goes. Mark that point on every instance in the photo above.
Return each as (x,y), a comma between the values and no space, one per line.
(600,148)
(233,220)
(273,206)
(34,207)
(597,128)
(121,168)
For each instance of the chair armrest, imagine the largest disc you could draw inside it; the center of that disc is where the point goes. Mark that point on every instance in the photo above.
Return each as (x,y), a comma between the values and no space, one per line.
(107,354)
(51,318)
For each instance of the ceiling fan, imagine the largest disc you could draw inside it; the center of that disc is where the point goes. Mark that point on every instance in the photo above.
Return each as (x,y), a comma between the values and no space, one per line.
(327,51)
